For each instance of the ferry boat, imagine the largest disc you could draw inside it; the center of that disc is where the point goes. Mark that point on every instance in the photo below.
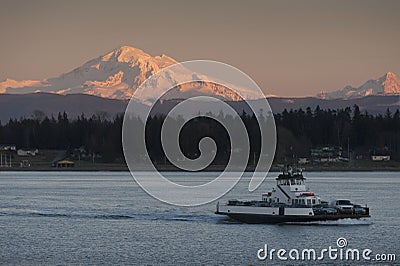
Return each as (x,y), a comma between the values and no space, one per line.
(291,202)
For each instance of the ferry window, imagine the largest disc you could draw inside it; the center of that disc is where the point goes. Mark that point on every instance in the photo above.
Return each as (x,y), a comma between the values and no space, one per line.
(303,202)
(292,182)
(313,201)
(277,200)
(308,202)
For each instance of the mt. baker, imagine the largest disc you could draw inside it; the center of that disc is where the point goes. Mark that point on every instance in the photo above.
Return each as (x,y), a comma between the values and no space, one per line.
(116,75)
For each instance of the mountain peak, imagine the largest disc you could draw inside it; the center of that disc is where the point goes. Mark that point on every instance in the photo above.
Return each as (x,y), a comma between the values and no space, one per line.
(134,56)
(390,74)
(128,49)
(124,54)
(391,85)
(388,84)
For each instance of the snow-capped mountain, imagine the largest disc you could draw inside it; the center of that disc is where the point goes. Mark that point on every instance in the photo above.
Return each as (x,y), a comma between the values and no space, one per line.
(388,84)
(116,75)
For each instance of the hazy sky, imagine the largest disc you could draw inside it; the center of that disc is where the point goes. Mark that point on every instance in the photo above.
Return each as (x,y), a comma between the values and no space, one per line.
(290,48)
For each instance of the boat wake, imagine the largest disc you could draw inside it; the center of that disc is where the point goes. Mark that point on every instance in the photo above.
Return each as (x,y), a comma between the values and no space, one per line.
(341,222)
(175,216)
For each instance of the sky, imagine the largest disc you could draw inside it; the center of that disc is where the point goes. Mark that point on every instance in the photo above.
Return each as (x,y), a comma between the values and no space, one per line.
(290,48)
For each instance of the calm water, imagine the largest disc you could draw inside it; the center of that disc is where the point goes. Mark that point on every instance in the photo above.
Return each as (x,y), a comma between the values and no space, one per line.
(105,218)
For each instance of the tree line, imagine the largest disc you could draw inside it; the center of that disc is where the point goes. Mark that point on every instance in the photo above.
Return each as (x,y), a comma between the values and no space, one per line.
(297,130)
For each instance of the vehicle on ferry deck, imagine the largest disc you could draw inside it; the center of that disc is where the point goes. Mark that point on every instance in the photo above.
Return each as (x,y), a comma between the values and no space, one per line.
(343,206)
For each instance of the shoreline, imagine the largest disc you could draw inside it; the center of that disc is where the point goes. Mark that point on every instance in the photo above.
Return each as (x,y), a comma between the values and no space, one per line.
(123,168)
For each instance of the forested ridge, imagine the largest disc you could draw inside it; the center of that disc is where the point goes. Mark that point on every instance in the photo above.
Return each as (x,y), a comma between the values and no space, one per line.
(298,131)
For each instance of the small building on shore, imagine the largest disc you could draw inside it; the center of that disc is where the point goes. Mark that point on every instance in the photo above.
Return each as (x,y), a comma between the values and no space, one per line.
(382,154)
(8,147)
(64,164)
(380,157)
(327,154)
(27,152)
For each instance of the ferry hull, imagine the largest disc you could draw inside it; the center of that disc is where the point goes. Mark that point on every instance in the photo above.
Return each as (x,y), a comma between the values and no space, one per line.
(276,219)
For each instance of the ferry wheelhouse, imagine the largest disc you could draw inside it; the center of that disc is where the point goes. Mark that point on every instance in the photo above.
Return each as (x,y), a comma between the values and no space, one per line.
(291,190)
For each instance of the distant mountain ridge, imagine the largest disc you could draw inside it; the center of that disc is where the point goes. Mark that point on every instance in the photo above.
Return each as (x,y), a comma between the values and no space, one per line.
(16,106)
(388,84)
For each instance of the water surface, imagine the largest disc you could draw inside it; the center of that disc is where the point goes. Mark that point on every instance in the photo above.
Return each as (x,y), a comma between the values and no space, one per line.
(106,218)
